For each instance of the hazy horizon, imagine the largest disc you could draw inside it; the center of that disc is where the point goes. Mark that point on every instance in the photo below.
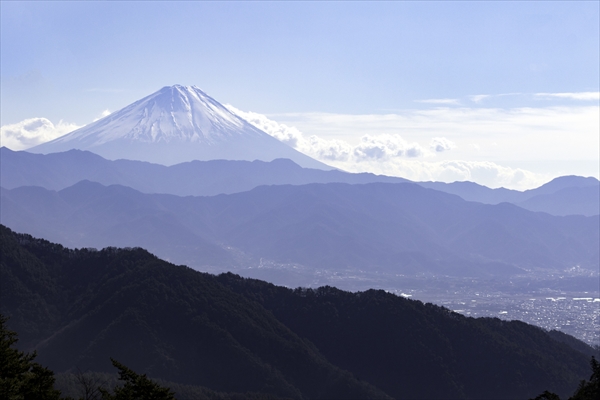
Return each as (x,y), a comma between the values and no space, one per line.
(502,94)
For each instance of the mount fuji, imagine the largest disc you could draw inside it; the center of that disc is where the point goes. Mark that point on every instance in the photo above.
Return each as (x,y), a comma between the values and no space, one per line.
(175,125)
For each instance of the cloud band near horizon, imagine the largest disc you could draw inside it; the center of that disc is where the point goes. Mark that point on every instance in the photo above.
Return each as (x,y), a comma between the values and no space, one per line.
(444,143)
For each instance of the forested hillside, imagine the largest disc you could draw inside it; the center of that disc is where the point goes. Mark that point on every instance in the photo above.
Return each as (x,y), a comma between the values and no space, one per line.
(77,308)
(399,344)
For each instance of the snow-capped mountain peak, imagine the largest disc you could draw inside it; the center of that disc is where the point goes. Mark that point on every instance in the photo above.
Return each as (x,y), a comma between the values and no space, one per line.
(174,113)
(176,124)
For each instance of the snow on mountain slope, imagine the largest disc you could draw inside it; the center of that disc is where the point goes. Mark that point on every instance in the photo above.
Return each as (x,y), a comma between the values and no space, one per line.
(174,125)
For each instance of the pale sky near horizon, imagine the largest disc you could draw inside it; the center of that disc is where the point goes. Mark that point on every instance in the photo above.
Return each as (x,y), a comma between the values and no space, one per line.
(501,93)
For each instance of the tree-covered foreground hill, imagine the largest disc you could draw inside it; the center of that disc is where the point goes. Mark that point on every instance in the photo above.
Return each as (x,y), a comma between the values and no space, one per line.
(78,308)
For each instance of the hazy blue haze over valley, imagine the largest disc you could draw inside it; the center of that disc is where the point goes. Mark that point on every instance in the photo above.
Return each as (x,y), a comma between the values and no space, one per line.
(319,231)
(419,179)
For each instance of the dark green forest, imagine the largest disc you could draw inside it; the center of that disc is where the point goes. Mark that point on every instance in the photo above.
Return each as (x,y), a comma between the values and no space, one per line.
(227,337)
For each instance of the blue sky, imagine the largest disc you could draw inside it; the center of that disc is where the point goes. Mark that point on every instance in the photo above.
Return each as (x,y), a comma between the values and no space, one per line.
(290,61)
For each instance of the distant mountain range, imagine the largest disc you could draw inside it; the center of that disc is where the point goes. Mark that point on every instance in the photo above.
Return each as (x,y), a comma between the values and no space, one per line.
(180,175)
(565,195)
(568,195)
(77,308)
(57,171)
(583,200)
(401,228)
(174,125)
(199,147)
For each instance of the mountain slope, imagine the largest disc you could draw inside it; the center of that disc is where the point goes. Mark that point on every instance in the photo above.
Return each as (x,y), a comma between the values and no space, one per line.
(57,171)
(78,307)
(582,200)
(560,195)
(563,182)
(472,191)
(164,320)
(397,228)
(174,125)
(482,352)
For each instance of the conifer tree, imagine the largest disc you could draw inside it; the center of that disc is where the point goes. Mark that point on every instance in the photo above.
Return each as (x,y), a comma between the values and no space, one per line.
(20,377)
(137,387)
(589,390)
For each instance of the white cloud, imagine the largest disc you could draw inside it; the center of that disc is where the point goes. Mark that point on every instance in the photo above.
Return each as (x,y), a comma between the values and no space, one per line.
(483,172)
(439,144)
(289,135)
(390,154)
(103,114)
(507,134)
(489,174)
(478,98)
(415,144)
(33,131)
(386,147)
(572,96)
(378,147)
(326,149)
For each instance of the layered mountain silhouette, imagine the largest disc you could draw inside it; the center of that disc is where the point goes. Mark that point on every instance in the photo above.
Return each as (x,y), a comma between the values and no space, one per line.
(584,200)
(174,125)
(77,308)
(57,171)
(565,195)
(569,195)
(179,174)
(399,228)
